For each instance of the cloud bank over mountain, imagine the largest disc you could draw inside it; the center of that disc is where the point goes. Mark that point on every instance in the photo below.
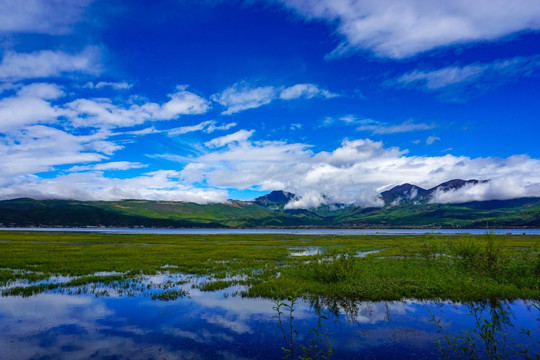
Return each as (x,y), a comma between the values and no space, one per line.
(333,100)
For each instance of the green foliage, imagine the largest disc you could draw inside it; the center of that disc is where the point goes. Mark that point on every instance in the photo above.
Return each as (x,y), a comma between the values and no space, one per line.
(135,213)
(424,267)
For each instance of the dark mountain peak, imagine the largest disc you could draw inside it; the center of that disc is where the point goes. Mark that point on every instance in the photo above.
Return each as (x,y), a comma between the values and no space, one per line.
(403,194)
(277,197)
(411,194)
(455,184)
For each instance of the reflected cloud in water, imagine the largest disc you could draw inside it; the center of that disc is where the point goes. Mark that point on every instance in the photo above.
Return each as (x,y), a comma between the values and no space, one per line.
(211,325)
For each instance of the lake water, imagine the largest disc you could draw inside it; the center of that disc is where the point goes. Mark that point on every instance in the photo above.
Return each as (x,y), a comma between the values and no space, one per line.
(286,231)
(219,325)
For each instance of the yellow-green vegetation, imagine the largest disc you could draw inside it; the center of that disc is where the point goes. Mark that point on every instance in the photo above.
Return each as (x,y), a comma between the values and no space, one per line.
(416,266)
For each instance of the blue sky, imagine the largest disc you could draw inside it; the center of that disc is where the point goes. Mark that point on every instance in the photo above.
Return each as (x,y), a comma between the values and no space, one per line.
(334,100)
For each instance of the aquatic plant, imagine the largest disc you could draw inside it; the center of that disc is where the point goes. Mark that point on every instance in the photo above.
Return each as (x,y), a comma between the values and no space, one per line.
(489,338)
(316,344)
(170,295)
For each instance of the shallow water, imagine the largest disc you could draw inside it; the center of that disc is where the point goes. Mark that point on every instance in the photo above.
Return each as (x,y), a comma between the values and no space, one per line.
(307,250)
(218,325)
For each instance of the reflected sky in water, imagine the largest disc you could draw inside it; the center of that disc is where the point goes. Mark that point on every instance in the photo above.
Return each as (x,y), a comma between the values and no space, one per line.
(216,325)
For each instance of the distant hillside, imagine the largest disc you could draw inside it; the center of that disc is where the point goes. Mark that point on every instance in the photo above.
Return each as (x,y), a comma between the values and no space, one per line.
(268,211)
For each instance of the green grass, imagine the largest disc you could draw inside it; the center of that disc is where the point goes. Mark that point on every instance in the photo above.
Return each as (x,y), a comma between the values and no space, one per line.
(170,295)
(418,266)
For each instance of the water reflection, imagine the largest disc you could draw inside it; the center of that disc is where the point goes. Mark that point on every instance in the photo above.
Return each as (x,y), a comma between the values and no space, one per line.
(307,250)
(215,325)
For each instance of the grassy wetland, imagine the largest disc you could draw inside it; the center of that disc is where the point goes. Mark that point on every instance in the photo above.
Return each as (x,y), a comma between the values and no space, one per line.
(447,267)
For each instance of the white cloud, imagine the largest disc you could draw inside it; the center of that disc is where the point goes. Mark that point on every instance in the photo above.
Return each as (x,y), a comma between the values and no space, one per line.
(182,103)
(238,136)
(29,106)
(349,120)
(477,74)
(40,16)
(187,129)
(441,78)
(295,126)
(114,85)
(214,127)
(241,96)
(431,139)
(206,126)
(376,127)
(399,29)
(356,172)
(114,165)
(309,200)
(41,90)
(51,147)
(47,63)
(306,91)
(501,188)
(160,185)
(104,113)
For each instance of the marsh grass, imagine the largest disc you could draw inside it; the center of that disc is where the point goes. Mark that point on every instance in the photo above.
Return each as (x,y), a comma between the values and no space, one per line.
(216,285)
(170,295)
(422,266)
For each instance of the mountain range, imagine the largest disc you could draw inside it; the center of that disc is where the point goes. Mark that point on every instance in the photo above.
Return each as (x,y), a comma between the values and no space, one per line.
(407,193)
(405,206)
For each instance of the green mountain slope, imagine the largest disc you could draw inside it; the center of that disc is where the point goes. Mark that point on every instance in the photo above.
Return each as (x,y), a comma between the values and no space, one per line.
(134,213)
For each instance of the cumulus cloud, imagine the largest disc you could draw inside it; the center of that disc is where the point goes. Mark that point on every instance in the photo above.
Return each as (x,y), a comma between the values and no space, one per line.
(19,150)
(241,96)
(354,173)
(104,113)
(159,185)
(48,63)
(36,123)
(40,16)
(501,188)
(309,200)
(30,105)
(459,76)
(408,27)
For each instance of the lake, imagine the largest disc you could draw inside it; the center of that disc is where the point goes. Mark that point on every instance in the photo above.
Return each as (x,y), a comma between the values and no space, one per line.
(222,325)
(345,232)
